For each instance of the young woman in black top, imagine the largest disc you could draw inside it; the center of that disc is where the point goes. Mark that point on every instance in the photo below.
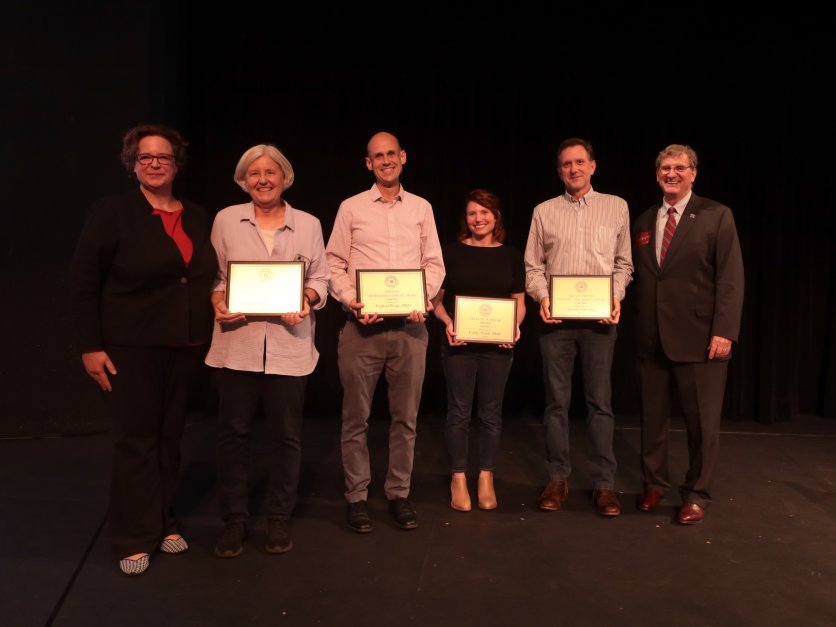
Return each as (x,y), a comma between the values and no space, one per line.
(479,264)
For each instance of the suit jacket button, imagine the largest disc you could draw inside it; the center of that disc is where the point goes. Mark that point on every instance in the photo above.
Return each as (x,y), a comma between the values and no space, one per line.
(183,280)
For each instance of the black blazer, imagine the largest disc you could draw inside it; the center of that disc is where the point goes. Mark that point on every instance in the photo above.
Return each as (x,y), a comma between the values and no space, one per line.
(698,292)
(129,284)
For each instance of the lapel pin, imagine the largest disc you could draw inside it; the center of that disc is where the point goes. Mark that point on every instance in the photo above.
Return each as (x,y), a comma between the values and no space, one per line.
(692,215)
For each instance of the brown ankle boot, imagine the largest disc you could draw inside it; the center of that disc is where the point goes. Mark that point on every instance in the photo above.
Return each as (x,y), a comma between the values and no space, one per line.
(460,497)
(487,495)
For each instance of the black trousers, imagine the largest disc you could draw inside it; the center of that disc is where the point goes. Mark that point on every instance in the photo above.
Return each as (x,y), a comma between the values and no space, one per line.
(700,387)
(283,399)
(148,411)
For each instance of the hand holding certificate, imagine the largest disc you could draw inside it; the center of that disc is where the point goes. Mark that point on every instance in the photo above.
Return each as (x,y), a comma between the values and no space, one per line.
(391,293)
(581,297)
(485,320)
(269,288)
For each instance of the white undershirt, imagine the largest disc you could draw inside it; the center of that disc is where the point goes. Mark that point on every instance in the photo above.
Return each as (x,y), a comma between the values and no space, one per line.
(269,238)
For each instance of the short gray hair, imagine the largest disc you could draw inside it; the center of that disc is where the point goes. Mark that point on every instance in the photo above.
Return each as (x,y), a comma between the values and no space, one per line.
(256,152)
(674,150)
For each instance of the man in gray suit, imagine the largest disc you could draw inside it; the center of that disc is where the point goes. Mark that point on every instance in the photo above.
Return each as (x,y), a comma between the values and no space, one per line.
(689,296)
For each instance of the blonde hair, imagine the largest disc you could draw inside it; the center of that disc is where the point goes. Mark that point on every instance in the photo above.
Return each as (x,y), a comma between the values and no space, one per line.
(256,152)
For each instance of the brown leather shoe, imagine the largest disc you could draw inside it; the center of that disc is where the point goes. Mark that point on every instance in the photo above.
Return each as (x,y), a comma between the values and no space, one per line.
(690,514)
(649,500)
(553,496)
(606,502)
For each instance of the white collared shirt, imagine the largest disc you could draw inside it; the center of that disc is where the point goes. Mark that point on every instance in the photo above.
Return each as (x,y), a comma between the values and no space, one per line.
(662,218)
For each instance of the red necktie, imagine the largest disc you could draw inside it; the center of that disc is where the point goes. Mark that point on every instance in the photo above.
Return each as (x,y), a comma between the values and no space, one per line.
(670,227)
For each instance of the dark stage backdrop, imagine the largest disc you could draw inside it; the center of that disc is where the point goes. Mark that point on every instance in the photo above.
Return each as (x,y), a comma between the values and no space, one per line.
(476,101)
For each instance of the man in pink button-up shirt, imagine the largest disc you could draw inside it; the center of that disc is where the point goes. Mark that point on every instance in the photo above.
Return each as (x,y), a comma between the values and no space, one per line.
(385,227)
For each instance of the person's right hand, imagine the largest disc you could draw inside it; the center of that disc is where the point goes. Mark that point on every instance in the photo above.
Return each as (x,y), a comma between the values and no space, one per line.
(545,313)
(356,307)
(451,336)
(223,315)
(98,364)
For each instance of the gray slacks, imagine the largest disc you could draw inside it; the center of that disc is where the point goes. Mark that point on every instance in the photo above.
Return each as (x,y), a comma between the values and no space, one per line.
(399,350)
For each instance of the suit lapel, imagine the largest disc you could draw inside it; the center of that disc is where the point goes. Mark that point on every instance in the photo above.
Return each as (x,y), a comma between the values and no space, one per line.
(651,226)
(159,242)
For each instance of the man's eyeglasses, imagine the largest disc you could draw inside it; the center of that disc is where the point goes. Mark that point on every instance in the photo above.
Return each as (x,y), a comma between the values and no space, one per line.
(679,169)
(145,159)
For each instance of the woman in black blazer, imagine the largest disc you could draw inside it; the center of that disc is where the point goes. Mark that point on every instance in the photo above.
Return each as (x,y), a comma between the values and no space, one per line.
(140,281)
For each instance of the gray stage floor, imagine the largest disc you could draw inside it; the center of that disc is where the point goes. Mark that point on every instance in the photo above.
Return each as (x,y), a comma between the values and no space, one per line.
(765,555)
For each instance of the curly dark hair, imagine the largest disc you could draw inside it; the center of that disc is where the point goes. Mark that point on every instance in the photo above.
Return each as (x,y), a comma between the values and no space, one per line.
(131,139)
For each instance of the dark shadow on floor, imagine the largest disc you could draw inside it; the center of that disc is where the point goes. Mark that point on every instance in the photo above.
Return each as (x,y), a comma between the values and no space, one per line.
(763,556)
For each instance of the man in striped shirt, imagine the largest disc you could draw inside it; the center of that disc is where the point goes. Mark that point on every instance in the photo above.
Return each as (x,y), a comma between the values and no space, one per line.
(581,232)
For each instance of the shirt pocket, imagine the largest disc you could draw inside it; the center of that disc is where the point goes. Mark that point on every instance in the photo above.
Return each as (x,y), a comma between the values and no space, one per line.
(604,240)
(304,259)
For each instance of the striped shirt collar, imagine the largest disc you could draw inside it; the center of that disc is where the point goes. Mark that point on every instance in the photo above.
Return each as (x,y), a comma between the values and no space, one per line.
(583,200)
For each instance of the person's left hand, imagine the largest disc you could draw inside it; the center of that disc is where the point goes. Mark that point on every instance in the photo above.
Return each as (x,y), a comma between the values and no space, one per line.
(419,316)
(294,318)
(720,348)
(516,339)
(616,314)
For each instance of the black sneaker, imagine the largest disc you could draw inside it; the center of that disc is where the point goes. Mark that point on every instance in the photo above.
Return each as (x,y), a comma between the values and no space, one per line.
(358,517)
(278,537)
(403,513)
(230,544)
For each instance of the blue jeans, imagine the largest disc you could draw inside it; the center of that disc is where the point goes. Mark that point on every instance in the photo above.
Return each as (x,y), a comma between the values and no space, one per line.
(595,344)
(487,372)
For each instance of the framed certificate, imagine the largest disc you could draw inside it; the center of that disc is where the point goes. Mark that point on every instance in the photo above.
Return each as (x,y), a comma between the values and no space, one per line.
(264,288)
(391,292)
(486,320)
(580,297)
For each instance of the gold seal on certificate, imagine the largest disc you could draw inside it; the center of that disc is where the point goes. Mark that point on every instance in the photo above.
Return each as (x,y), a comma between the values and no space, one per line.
(264,288)
(580,297)
(391,292)
(487,320)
